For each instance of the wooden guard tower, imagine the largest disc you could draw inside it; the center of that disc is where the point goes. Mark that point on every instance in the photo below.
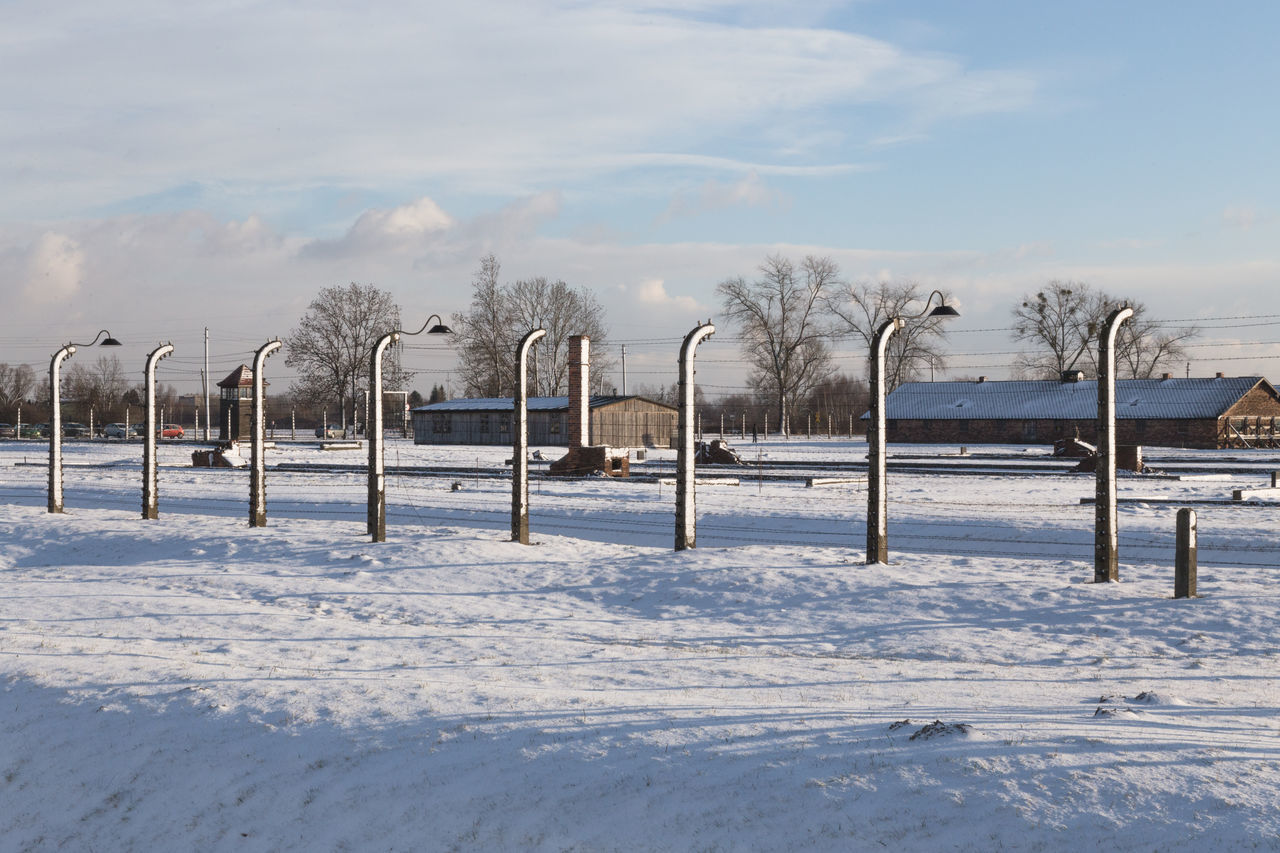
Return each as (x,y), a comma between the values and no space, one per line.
(236,411)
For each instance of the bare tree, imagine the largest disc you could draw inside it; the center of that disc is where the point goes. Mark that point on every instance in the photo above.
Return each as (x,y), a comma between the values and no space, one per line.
(489,331)
(779,319)
(1062,323)
(1144,349)
(331,345)
(860,309)
(99,387)
(485,334)
(16,384)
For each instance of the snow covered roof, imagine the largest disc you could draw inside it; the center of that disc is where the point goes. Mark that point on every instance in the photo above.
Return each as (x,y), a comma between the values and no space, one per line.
(535,404)
(1054,400)
(242,375)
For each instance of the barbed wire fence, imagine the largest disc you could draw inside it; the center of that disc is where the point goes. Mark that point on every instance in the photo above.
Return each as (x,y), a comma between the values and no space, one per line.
(928,514)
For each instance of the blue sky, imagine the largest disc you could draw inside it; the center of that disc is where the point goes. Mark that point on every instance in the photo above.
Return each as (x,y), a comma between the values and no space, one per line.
(167,167)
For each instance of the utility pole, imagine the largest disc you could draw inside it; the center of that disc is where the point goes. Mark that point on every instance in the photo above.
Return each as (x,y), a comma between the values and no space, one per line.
(205,379)
(624,370)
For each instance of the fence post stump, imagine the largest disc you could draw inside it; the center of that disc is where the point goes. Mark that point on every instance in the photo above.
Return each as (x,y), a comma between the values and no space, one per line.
(1184,573)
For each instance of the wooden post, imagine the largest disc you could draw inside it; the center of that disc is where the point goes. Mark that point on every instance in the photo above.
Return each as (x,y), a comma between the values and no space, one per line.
(1184,573)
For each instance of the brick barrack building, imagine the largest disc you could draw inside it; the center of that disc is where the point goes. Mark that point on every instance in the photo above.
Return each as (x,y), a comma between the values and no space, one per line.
(1222,412)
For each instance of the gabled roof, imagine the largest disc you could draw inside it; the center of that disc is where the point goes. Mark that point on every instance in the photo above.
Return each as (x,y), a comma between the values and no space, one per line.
(534,404)
(1053,400)
(238,378)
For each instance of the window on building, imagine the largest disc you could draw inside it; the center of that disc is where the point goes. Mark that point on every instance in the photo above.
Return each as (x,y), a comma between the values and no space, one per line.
(441,423)
(554,426)
(484,424)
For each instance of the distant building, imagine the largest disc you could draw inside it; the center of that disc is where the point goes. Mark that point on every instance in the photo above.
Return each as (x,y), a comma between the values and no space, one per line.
(1221,412)
(615,421)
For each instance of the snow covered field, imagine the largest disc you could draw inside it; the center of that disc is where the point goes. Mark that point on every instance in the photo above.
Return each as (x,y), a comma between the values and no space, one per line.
(192,683)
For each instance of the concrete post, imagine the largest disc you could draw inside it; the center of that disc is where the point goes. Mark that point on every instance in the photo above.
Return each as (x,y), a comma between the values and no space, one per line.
(1106,560)
(1184,572)
(686,514)
(520,440)
(376,524)
(150,495)
(257,439)
(55,426)
(55,416)
(877,503)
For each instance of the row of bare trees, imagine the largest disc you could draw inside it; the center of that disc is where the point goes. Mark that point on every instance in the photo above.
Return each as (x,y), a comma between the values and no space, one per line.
(791,318)
(330,346)
(100,390)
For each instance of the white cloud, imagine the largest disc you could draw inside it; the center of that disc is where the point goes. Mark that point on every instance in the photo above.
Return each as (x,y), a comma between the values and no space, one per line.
(54,270)
(1131,243)
(501,95)
(1243,216)
(405,227)
(713,195)
(653,292)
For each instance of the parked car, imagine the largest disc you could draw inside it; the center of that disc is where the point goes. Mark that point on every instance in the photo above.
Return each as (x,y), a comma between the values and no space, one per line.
(114,431)
(35,431)
(74,429)
(138,430)
(329,432)
(8,431)
(172,431)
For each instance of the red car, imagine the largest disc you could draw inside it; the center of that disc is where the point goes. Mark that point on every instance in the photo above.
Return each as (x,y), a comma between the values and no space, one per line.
(172,431)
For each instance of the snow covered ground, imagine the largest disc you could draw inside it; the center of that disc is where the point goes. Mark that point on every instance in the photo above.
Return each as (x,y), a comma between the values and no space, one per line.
(192,683)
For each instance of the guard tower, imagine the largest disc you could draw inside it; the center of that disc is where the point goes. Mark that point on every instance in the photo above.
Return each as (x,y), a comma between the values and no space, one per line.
(235,415)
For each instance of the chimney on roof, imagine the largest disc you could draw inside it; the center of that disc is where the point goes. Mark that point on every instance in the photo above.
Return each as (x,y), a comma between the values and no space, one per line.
(1166,376)
(1220,375)
(1072,376)
(982,379)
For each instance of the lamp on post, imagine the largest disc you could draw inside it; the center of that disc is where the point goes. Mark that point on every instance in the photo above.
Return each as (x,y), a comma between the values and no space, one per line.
(1106,560)
(377,509)
(877,503)
(55,415)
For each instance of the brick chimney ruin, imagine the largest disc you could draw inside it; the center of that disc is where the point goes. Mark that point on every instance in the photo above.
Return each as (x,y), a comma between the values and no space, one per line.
(584,458)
